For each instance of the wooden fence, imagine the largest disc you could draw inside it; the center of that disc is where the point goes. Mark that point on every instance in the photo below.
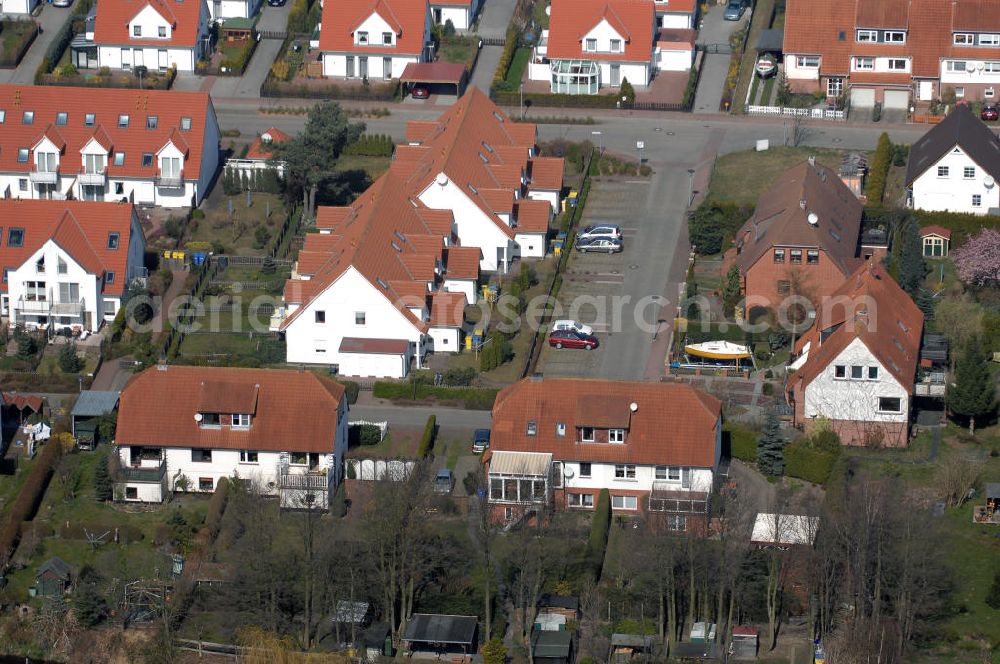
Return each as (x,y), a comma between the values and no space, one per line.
(810,113)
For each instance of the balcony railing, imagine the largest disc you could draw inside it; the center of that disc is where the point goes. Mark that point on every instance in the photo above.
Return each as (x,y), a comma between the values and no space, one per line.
(72,309)
(314,481)
(33,306)
(169,181)
(43,177)
(137,474)
(664,498)
(93,178)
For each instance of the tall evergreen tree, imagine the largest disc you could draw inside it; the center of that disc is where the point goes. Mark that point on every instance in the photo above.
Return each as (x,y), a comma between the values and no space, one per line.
(89,604)
(909,253)
(771,447)
(972,394)
(103,491)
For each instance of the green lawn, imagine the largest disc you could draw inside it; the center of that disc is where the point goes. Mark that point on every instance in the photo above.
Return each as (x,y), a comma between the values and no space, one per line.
(373,166)
(236,231)
(517,65)
(741,177)
(458,50)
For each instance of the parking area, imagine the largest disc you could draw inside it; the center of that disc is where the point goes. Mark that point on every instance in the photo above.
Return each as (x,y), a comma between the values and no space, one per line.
(594,284)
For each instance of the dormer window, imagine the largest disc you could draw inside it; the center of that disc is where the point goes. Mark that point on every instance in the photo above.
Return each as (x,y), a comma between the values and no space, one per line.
(210,420)
(895,37)
(62,118)
(151,121)
(123,122)
(587,434)
(616,436)
(532,428)
(867,35)
(964,39)
(162,31)
(137,30)
(28,118)
(88,120)
(363,38)
(113,239)
(387,38)
(241,420)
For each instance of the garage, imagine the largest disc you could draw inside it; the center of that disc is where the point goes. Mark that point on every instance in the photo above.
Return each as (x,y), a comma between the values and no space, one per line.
(896,99)
(862,97)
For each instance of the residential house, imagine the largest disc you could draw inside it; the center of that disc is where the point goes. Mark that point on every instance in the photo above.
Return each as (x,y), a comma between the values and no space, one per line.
(373,39)
(155,34)
(219,10)
(955,166)
(594,44)
(18,6)
(676,14)
(857,364)
(67,264)
(461,13)
(935,241)
(259,154)
(558,442)
(386,280)
(893,52)
(802,240)
(149,147)
(184,428)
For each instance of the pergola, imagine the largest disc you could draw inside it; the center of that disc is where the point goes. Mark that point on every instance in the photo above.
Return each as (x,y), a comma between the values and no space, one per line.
(520,478)
(436,73)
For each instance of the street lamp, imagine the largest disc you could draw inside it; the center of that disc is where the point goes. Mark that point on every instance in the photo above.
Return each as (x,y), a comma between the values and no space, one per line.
(600,139)
(690,186)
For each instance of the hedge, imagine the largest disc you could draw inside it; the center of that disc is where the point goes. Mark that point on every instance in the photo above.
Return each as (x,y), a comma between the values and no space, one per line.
(352,390)
(962,225)
(742,442)
(372,92)
(217,507)
(806,462)
(28,499)
(371,145)
(471,398)
(599,527)
(427,439)
(509,47)
(881,161)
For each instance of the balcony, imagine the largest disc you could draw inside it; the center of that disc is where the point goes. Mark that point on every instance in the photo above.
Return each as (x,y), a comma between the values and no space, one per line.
(169,181)
(93,178)
(71,309)
(33,307)
(665,498)
(312,481)
(43,177)
(153,474)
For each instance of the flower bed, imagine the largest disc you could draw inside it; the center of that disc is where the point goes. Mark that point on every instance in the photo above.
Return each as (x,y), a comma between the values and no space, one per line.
(69,76)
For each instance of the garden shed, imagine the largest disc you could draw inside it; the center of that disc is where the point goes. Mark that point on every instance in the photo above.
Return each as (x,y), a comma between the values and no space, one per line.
(53,578)
(441,634)
(237,29)
(87,412)
(552,647)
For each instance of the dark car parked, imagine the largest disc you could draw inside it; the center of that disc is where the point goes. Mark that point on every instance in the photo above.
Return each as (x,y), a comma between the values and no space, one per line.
(990,113)
(572,339)
(606,244)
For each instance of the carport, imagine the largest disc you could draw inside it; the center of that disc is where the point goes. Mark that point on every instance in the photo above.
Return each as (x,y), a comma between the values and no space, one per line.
(436,73)
(771,40)
(86,414)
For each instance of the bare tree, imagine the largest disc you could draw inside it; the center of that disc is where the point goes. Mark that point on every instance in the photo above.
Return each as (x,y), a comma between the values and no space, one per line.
(954,477)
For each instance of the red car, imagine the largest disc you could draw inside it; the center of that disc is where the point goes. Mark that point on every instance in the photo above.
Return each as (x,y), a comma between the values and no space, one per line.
(572,339)
(420,92)
(989,112)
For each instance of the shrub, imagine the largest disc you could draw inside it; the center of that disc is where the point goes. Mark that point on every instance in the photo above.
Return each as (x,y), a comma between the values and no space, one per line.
(627,93)
(509,47)
(217,507)
(351,389)
(68,69)
(427,439)
(711,224)
(993,596)
(28,499)
(470,398)
(459,377)
(598,540)
(812,458)
(89,604)
(496,352)
(103,489)
(69,361)
(742,442)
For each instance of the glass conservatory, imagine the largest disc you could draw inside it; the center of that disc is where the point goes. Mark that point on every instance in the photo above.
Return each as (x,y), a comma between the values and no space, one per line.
(575,77)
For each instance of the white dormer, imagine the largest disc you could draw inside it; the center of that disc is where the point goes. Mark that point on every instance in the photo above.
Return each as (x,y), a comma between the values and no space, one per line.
(46,157)
(150,24)
(603,38)
(170,165)
(375,31)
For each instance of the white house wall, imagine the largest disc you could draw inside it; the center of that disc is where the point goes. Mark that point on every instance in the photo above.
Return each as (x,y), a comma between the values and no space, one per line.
(335,65)
(541,195)
(794,72)
(459,16)
(530,245)
(373,365)
(855,400)
(473,227)
(89,286)
(319,343)
(954,192)
(234,9)
(18,6)
(675,60)
(467,286)
(680,21)
(444,339)
(602,476)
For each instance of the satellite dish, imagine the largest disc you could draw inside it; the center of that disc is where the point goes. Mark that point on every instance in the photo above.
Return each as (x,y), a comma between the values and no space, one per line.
(988,181)
(197,417)
(266,138)
(980,65)
(442,179)
(548,10)
(568,473)
(813,219)
(633,406)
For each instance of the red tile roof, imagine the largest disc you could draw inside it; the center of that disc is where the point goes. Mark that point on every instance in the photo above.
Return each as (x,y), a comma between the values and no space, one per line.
(293,411)
(674,424)
(533,216)
(21,401)
(80,228)
(374,346)
(676,6)
(880,314)
(672,37)
(106,105)
(407,18)
(261,150)
(546,173)
(571,20)
(463,262)
(447,309)
(113,16)
(813,27)
(934,229)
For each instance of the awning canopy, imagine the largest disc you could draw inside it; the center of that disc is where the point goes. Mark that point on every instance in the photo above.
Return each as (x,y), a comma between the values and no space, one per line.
(771,41)
(434,72)
(534,464)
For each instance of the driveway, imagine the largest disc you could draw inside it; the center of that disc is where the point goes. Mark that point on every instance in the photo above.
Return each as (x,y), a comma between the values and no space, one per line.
(494,18)
(272,19)
(50,21)
(715,32)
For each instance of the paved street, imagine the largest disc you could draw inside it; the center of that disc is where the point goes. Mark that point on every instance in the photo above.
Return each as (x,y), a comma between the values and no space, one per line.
(50,21)
(715,31)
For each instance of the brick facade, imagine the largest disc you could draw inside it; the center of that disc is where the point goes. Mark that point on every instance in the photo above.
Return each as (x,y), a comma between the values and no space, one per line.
(761,283)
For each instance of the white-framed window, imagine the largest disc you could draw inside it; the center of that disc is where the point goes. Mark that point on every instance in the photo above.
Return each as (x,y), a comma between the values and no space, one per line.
(587,434)
(807,62)
(22,184)
(362,37)
(779,255)
(834,87)
(248,456)
(616,45)
(992,68)
(977,200)
(812,257)
(319,346)
(359,318)
(890,404)
(864,64)
(963,39)
(298,458)
(624,502)
(955,65)
(580,499)
(942,171)
(387,38)
(988,39)
(867,35)
(872,373)
(161,31)
(895,37)
(137,31)
(201,456)
(585,469)
(840,371)
(960,92)
(350,66)
(969,172)
(590,45)
(674,474)
(241,420)
(857,372)
(898,64)
(677,522)
(616,435)
(624,471)
(661,472)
